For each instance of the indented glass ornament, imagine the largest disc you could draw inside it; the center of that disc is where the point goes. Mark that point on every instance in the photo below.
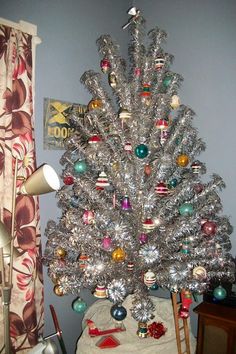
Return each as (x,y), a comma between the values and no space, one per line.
(58,290)
(141,151)
(94,139)
(159,63)
(95,104)
(186,209)
(105,65)
(161,189)
(80,166)
(60,252)
(146,92)
(118,255)
(148,225)
(149,278)
(83,261)
(88,217)
(182,160)
(125,204)
(102,181)
(142,331)
(220,293)
(118,312)
(68,180)
(130,266)
(100,292)
(124,114)
(79,305)
(196,167)
(143,238)
(175,102)
(209,228)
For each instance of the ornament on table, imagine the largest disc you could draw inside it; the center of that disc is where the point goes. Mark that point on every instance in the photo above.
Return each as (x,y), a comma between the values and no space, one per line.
(148,224)
(167,81)
(130,266)
(105,65)
(68,180)
(199,273)
(124,114)
(79,305)
(186,209)
(156,330)
(100,292)
(175,102)
(143,238)
(95,103)
(125,204)
(118,312)
(112,80)
(58,290)
(142,331)
(128,147)
(182,160)
(209,228)
(146,94)
(93,331)
(196,167)
(74,201)
(83,261)
(186,301)
(198,187)
(161,189)
(118,255)
(162,124)
(137,72)
(149,278)
(159,63)
(106,243)
(80,166)
(141,151)
(185,247)
(60,252)
(107,342)
(147,170)
(94,139)
(88,217)
(102,181)
(220,293)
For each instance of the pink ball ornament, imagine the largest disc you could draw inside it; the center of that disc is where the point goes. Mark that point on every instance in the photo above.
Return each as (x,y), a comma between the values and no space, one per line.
(209,228)
(106,243)
(143,238)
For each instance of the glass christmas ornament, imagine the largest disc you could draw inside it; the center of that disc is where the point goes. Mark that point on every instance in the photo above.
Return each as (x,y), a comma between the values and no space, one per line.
(88,217)
(100,292)
(162,124)
(196,167)
(198,188)
(161,189)
(199,273)
(83,261)
(167,81)
(185,248)
(142,331)
(149,278)
(182,160)
(106,243)
(68,180)
(141,151)
(186,209)
(154,287)
(148,225)
(124,114)
(58,290)
(125,204)
(118,255)
(118,312)
(60,252)
(105,65)
(146,92)
(175,102)
(102,181)
(220,293)
(74,201)
(164,136)
(173,183)
(94,140)
(130,266)
(137,72)
(128,148)
(112,80)
(147,170)
(94,104)
(183,313)
(80,166)
(79,305)
(143,238)
(159,63)
(209,228)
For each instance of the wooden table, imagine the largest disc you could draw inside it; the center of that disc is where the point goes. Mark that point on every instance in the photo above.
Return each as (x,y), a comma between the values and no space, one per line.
(216,329)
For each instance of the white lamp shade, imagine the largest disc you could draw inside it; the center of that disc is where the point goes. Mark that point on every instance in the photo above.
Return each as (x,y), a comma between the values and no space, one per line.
(42,181)
(5,237)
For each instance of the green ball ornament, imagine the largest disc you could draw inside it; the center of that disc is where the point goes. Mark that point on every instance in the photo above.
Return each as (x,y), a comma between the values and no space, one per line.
(167,80)
(220,293)
(186,209)
(79,305)
(141,151)
(80,166)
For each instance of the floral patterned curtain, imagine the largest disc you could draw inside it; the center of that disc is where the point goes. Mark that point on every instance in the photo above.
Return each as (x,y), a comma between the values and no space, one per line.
(17,140)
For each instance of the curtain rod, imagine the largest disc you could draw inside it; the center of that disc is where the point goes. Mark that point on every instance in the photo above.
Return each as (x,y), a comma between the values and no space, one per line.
(23,26)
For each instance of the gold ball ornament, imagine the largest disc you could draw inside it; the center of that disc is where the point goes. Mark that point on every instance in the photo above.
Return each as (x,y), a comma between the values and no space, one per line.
(118,255)
(95,104)
(182,160)
(58,290)
(60,252)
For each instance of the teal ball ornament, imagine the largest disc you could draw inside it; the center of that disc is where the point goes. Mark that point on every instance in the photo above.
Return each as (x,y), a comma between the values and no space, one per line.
(173,183)
(186,209)
(141,151)
(154,287)
(220,293)
(79,305)
(118,312)
(80,166)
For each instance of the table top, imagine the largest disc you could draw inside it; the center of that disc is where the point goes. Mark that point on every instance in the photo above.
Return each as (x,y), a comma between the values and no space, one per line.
(216,311)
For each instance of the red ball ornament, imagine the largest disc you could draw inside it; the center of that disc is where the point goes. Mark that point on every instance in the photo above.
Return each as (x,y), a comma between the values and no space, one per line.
(209,228)
(161,189)
(183,313)
(68,180)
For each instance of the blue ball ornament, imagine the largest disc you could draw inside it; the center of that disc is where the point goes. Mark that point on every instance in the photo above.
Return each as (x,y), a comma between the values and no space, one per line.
(186,209)
(118,312)
(220,293)
(79,305)
(80,166)
(141,151)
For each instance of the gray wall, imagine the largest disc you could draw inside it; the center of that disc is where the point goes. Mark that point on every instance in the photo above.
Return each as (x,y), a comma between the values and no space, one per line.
(202,39)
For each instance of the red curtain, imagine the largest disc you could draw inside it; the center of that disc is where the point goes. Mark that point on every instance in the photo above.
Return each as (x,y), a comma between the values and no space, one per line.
(17,140)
